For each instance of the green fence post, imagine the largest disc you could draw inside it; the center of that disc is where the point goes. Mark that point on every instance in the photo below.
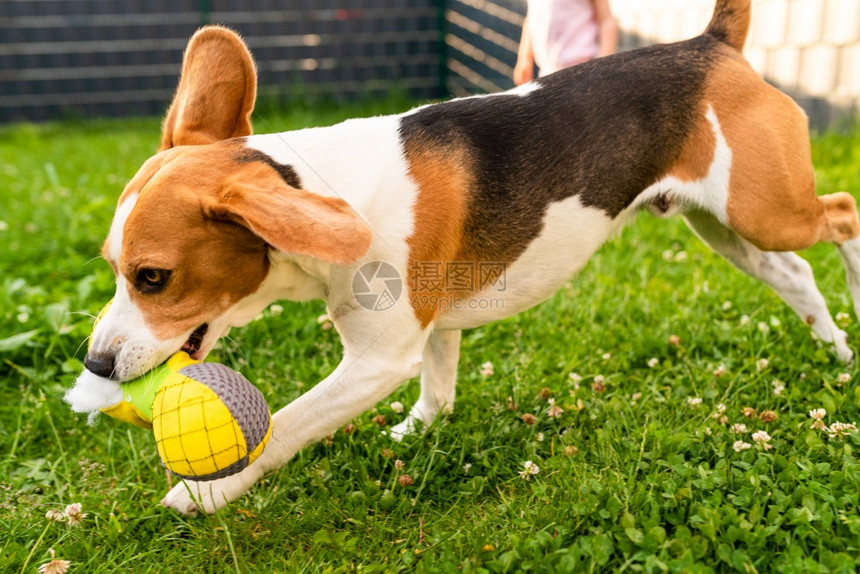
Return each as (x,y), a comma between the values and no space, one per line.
(205,16)
(441,26)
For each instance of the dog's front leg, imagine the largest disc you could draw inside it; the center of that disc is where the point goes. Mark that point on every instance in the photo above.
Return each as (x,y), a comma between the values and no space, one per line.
(362,379)
(438,380)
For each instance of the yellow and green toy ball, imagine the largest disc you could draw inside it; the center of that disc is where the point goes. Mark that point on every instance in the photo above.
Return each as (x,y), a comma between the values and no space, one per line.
(208,420)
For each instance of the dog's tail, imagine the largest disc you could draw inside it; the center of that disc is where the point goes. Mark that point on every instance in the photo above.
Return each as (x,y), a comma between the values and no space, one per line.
(731,22)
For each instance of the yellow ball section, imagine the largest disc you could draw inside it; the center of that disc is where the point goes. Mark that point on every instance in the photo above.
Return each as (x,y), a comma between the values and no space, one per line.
(196,435)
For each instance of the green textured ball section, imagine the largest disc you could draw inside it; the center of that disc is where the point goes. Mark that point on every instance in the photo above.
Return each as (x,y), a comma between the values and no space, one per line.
(209,422)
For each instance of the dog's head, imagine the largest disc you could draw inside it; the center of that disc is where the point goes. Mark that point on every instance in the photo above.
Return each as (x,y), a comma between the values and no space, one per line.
(193,231)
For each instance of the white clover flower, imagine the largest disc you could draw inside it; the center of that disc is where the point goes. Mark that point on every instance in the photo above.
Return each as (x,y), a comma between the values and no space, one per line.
(727,305)
(397,407)
(276,309)
(467,467)
(324,322)
(554,411)
(653,362)
(763,328)
(575,377)
(745,320)
(818,416)
(719,371)
(762,439)
(539,437)
(606,356)
(738,428)
(487,369)
(529,469)
(741,445)
(55,515)
(680,256)
(54,566)
(694,402)
(761,365)
(839,430)
(843,378)
(668,254)
(73,514)
(778,387)
(775,323)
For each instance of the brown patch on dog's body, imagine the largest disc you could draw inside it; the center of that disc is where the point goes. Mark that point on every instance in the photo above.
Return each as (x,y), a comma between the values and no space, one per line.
(443,177)
(697,154)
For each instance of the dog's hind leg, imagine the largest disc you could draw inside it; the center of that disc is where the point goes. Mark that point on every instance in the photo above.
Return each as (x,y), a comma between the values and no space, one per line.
(844,230)
(850,252)
(785,272)
(438,379)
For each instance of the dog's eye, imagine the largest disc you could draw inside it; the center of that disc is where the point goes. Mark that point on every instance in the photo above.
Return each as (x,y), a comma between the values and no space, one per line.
(152,280)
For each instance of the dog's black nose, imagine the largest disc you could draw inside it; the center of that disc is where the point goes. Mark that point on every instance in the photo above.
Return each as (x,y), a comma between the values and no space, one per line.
(100,364)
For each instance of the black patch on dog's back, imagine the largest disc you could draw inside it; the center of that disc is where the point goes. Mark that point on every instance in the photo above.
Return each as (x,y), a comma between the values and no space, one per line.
(604,130)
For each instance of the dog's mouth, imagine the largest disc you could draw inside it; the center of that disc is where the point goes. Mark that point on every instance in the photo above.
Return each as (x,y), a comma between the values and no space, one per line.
(195,342)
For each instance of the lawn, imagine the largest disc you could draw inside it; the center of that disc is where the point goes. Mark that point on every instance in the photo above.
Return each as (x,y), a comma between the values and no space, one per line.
(664,360)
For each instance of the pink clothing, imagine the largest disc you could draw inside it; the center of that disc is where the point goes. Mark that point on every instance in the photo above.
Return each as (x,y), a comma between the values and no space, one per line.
(564,33)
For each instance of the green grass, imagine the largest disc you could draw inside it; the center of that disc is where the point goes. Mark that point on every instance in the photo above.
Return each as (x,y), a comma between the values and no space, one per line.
(631,478)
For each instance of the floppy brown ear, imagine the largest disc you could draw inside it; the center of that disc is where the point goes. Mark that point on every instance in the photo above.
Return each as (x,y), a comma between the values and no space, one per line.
(216,91)
(296,221)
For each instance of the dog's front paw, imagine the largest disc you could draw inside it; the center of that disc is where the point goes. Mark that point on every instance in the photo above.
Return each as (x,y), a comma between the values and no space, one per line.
(846,355)
(179,499)
(403,429)
(189,497)
(840,346)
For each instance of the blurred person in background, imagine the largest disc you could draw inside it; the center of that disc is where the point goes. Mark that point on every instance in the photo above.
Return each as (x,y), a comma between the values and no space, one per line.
(562,33)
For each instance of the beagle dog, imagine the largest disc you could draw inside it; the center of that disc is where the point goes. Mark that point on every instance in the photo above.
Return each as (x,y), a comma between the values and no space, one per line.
(414,226)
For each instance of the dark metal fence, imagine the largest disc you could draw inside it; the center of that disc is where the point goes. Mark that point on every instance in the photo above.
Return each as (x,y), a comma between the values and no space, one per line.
(481,40)
(122,57)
